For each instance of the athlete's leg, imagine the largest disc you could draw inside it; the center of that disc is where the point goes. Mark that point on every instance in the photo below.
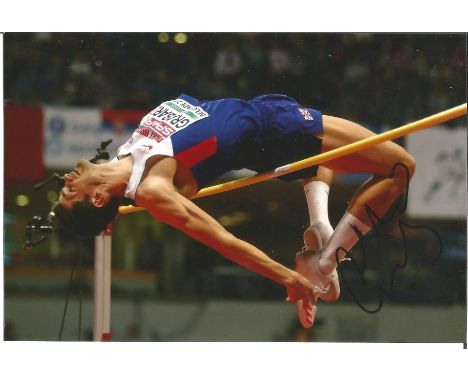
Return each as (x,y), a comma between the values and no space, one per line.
(388,182)
(316,191)
(379,193)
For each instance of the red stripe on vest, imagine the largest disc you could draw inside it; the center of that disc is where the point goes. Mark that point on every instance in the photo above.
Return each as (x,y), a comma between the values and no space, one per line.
(198,153)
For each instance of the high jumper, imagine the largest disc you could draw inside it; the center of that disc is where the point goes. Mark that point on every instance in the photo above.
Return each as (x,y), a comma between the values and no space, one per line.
(183,144)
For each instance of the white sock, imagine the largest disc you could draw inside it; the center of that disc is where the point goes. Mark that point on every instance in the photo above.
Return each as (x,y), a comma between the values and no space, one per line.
(344,237)
(316,193)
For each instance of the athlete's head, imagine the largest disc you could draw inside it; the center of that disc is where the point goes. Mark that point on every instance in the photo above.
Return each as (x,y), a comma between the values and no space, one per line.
(84,207)
(84,219)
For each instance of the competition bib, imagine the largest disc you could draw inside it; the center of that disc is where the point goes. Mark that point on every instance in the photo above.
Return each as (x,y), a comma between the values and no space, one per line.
(168,118)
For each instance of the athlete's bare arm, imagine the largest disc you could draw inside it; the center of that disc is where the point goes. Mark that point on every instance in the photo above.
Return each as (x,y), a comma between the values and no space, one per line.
(158,195)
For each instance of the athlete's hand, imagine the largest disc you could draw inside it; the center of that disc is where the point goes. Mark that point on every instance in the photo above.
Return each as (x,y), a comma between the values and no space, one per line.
(299,288)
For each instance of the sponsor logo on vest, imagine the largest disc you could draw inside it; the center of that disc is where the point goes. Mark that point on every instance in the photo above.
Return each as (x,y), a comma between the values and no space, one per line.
(168,118)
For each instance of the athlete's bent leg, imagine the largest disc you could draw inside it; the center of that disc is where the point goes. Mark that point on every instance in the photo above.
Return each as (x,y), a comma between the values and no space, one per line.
(318,233)
(391,168)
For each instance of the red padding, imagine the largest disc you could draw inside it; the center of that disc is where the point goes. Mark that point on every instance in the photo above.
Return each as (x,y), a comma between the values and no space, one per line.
(24,144)
(128,116)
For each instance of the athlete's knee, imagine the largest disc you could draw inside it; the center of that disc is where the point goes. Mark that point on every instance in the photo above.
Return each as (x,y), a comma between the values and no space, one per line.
(408,162)
(402,163)
(401,174)
(411,165)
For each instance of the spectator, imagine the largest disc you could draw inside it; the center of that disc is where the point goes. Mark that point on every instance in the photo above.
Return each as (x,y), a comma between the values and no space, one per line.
(228,61)
(279,59)
(365,70)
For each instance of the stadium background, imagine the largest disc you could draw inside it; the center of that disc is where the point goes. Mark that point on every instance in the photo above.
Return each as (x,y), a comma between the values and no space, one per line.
(169,288)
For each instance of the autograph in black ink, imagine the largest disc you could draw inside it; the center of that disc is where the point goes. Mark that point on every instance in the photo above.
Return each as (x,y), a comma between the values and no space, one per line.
(376,222)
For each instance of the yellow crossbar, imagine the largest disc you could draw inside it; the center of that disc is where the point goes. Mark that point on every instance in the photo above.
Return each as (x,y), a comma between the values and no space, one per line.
(409,128)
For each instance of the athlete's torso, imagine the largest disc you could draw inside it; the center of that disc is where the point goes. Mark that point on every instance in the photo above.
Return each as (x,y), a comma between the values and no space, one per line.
(205,136)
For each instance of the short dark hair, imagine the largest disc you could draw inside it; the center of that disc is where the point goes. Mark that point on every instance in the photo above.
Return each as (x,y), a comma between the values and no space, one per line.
(85,220)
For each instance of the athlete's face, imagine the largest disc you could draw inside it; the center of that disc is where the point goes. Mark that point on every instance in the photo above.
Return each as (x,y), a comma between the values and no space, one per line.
(77,184)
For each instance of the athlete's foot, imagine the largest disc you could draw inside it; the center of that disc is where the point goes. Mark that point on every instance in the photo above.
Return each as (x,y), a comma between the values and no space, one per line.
(315,237)
(306,310)
(307,264)
(334,292)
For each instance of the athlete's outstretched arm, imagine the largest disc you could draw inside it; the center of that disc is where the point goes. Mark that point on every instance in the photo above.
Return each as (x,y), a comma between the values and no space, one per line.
(158,195)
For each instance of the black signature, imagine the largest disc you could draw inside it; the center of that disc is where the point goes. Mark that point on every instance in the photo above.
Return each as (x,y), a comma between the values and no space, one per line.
(395,211)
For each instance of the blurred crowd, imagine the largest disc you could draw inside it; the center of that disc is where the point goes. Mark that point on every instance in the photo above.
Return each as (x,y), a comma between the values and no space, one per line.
(384,79)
